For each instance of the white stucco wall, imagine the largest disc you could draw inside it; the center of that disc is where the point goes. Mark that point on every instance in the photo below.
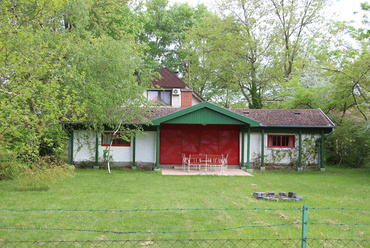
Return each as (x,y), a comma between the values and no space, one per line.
(84,148)
(146,147)
(281,155)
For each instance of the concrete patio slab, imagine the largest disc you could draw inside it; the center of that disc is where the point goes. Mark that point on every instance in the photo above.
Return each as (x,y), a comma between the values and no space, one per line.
(177,171)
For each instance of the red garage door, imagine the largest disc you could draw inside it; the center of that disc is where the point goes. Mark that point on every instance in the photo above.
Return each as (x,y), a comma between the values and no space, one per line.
(186,139)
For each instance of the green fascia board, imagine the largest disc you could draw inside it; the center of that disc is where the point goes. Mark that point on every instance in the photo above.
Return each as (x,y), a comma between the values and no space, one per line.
(205,113)
(289,129)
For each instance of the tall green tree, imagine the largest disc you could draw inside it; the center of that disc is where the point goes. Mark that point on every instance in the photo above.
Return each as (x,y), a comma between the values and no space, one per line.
(298,21)
(239,44)
(32,93)
(164,32)
(254,46)
(67,61)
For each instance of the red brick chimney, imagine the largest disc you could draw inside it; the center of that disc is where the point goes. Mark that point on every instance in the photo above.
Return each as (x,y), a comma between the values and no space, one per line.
(186,98)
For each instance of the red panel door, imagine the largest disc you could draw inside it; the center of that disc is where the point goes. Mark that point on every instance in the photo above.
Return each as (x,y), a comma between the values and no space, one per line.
(229,145)
(190,141)
(170,147)
(198,139)
(209,142)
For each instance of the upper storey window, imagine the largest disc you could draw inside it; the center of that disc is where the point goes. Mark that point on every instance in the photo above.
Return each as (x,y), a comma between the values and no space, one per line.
(163,96)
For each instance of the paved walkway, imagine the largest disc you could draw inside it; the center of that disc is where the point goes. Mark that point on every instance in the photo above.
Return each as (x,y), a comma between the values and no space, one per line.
(177,171)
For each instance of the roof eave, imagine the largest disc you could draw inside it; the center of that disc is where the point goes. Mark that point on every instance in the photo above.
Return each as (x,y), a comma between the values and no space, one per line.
(297,126)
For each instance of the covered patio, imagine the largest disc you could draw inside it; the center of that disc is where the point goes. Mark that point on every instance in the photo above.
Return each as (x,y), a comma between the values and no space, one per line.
(178,171)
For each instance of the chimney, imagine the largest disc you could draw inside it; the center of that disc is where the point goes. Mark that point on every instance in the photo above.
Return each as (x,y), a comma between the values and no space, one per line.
(186,98)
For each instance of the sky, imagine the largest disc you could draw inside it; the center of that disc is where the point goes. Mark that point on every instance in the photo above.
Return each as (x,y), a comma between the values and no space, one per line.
(344,8)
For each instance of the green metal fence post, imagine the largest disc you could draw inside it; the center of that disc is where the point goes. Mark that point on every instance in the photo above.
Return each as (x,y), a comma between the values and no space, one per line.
(304,225)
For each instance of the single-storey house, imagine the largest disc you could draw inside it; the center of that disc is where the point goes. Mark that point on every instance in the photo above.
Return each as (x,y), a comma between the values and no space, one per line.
(186,124)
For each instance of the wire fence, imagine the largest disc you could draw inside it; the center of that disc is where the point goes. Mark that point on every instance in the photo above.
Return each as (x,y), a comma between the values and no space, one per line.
(303,241)
(211,243)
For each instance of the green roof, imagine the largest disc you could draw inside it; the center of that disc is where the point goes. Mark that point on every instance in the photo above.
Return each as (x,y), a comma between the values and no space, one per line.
(205,113)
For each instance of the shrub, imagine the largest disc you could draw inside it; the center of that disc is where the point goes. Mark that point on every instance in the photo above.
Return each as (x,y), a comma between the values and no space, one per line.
(44,173)
(10,165)
(348,146)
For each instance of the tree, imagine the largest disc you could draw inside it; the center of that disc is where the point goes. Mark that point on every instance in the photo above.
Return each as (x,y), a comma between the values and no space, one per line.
(237,43)
(295,18)
(164,32)
(255,43)
(112,74)
(32,95)
(67,61)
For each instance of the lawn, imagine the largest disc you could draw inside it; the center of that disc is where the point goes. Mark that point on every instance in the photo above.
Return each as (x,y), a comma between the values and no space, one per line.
(91,202)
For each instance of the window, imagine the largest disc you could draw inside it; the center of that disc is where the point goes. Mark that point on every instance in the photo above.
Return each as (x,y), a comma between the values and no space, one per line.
(117,140)
(284,141)
(160,95)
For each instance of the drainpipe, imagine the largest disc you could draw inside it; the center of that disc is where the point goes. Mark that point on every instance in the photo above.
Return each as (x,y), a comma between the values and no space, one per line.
(322,143)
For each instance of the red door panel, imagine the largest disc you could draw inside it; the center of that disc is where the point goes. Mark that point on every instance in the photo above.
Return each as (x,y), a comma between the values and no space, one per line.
(170,147)
(190,142)
(229,145)
(209,142)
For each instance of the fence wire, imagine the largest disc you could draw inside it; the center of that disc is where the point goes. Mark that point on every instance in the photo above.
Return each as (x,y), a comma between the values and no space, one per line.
(214,243)
(206,243)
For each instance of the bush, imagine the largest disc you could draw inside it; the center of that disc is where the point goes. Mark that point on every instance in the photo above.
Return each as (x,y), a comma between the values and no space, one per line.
(43,174)
(10,166)
(348,146)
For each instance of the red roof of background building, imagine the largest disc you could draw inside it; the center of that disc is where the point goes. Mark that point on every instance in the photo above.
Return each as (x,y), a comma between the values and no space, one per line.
(168,80)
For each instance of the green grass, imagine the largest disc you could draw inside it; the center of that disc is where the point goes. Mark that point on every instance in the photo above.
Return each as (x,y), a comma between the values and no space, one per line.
(127,190)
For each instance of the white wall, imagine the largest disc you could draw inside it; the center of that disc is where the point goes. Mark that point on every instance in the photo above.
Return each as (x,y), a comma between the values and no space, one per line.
(281,155)
(84,148)
(146,147)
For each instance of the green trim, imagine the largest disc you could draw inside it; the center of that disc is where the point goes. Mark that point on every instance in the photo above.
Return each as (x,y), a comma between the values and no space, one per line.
(214,115)
(133,152)
(300,149)
(248,148)
(71,158)
(242,166)
(322,149)
(289,129)
(96,149)
(157,151)
(263,149)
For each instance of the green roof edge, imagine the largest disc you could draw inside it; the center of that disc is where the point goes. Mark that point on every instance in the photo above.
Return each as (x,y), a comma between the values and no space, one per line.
(208,105)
